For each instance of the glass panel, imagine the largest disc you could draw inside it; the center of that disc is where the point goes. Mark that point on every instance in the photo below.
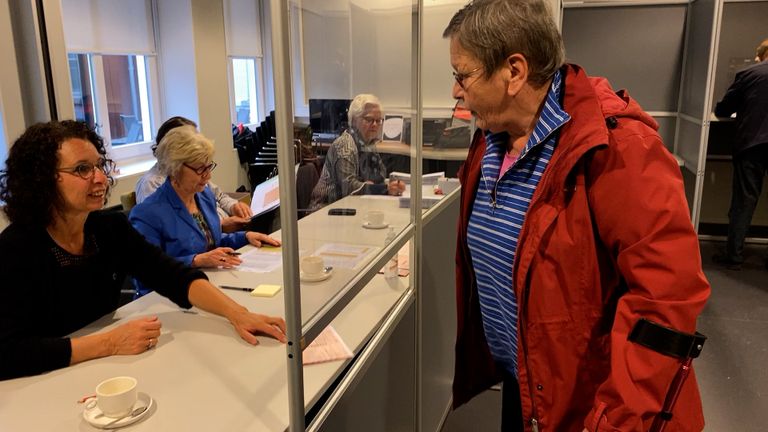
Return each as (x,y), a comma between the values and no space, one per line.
(125,97)
(353,76)
(82,88)
(244,83)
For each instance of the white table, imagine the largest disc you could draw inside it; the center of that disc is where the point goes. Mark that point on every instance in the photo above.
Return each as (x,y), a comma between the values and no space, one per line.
(201,375)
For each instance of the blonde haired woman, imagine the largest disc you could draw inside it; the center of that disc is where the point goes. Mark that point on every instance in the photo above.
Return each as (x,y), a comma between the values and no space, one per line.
(180,216)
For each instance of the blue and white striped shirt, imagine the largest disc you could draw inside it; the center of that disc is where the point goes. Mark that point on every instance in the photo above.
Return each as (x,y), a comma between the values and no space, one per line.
(494,228)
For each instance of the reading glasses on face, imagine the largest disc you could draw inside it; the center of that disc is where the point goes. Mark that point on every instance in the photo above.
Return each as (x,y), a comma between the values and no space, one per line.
(371,120)
(203,169)
(87,170)
(460,77)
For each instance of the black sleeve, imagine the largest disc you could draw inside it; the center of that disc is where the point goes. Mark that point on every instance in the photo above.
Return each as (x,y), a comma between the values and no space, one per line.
(28,341)
(149,264)
(375,189)
(733,98)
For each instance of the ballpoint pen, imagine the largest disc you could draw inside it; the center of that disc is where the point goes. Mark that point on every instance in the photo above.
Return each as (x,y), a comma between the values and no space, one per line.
(233,253)
(235,288)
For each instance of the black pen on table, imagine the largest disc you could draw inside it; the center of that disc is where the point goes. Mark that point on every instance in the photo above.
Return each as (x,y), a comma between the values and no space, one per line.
(233,253)
(235,288)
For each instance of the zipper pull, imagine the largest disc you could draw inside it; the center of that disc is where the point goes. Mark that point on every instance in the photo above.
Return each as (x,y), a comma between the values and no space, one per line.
(534,425)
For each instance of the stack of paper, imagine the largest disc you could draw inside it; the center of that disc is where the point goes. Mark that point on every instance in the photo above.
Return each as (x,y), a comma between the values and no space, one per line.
(426,179)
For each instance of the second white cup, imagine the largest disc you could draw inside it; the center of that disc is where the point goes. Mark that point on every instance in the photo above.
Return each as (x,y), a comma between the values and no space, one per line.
(374,217)
(311,265)
(115,397)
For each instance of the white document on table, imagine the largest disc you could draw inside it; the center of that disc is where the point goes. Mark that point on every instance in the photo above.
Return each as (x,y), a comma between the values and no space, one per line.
(340,255)
(260,260)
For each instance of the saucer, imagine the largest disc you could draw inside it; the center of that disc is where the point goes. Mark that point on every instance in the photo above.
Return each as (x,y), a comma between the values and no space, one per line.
(315,277)
(369,225)
(96,418)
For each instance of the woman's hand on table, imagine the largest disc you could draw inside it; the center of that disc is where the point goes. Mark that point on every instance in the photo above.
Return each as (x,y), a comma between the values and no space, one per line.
(248,325)
(134,337)
(220,257)
(396,187)
(258,239)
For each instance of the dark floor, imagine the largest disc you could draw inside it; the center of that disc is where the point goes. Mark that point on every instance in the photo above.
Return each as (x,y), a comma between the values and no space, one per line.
(733,368)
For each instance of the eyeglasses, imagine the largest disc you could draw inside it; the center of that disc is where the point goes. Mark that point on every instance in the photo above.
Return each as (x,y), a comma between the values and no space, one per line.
(371,120)
(203,169)
(87,170)
(460,77)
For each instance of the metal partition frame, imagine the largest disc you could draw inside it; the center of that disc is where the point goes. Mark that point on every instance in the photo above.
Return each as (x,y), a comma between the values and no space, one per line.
(695,106)
(300,335)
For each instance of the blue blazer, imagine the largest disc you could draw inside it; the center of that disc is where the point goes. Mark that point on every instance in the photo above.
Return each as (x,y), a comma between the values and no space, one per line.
(165,221)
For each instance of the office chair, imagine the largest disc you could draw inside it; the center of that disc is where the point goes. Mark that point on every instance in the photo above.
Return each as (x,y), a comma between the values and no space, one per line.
(306,179)
(128,200)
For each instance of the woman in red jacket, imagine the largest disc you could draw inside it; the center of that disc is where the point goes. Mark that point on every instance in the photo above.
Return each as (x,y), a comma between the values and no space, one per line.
(574,226)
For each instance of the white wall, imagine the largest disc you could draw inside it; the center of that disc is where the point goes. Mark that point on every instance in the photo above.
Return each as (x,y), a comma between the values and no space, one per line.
(362,47)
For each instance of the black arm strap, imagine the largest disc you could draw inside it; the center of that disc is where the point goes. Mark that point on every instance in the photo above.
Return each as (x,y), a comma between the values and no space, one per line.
(667,341)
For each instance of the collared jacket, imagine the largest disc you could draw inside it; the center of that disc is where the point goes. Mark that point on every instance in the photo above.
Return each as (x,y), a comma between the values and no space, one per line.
(351,167)
(153,179)
(607,240)
(748,98)
(165,221)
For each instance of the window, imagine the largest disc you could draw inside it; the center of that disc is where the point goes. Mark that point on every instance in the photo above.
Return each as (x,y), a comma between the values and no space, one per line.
(244,89)
(242,29)
(111,93)
(112,69)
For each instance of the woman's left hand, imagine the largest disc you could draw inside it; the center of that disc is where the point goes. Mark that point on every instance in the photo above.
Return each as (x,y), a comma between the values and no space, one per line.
(258,239)
(240,209)
(248,324)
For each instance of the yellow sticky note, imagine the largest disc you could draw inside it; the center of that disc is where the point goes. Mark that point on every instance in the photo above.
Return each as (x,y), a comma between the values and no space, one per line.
(265,290)
(270,248)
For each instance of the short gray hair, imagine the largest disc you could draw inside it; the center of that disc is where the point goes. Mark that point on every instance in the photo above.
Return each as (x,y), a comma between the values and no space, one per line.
(183,145)
(357,107)
(492,30)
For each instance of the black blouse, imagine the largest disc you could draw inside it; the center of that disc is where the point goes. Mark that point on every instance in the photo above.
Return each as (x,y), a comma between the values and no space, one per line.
(47,293)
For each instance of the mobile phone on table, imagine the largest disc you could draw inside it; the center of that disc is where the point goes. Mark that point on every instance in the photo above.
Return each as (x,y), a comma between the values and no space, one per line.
(342,212)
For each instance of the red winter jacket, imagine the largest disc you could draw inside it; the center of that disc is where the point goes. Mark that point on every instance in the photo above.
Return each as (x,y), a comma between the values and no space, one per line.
(607,240)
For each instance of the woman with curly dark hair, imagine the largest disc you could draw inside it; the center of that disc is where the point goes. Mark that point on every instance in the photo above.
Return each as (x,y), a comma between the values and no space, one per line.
(63,259)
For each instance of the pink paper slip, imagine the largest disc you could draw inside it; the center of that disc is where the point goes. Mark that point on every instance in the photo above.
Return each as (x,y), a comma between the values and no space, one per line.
(326,347)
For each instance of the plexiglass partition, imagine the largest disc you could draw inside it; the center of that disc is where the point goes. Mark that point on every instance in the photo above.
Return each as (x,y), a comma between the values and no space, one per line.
(347,71)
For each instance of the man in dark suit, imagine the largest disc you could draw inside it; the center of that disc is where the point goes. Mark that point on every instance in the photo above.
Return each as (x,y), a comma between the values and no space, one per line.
(748,98)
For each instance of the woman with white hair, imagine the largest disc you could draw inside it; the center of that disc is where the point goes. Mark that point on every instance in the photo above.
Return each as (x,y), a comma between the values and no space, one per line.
(352,165)
(180,217)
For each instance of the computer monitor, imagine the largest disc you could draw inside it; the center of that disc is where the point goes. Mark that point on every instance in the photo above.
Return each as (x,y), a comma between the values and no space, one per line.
(328,116)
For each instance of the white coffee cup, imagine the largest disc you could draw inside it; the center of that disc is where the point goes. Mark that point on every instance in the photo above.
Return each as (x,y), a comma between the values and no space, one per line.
(116,396)
(312,265)
(374,217)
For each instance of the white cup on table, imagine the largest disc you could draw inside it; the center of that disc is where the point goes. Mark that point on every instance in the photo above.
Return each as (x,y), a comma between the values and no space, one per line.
(116,396)
(374,217)
(311,265)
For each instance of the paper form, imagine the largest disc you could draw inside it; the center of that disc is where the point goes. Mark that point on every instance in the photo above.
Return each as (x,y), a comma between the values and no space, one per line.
(260,260)
(326,347)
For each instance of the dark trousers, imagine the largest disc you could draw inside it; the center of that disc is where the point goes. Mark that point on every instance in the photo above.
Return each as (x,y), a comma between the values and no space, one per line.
(749,168)
(511,410)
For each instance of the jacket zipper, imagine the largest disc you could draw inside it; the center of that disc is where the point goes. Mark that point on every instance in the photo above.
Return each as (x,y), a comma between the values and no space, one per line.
(524,343)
